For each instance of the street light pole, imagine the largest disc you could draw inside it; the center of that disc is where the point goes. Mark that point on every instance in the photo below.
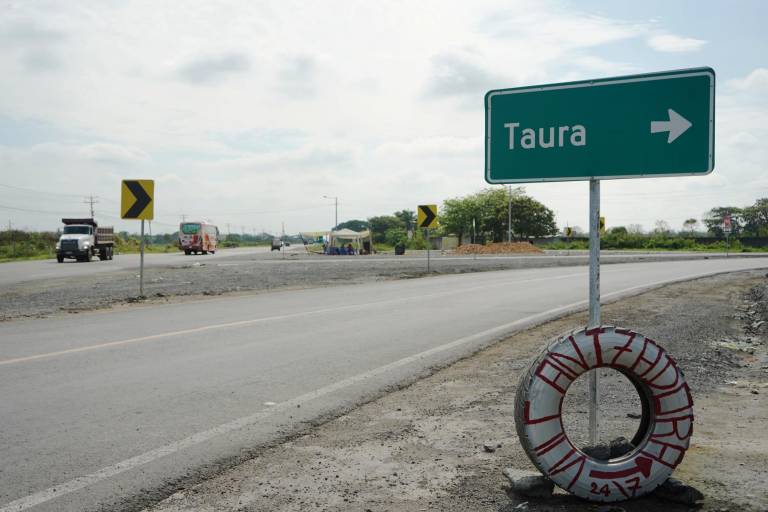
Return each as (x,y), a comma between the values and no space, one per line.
(336,210)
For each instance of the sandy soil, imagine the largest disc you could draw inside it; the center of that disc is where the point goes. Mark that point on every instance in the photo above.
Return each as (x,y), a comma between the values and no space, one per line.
(422,448)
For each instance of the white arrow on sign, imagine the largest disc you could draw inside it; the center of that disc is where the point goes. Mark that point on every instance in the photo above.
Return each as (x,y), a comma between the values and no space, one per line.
(676,125)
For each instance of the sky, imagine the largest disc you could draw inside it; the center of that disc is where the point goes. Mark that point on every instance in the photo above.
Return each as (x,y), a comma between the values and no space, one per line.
(258,114)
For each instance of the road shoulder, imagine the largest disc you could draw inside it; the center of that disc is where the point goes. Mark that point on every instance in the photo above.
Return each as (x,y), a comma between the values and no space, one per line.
(422,448)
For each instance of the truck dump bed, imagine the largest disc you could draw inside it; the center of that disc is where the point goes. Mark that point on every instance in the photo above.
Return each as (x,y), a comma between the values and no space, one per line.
(105,236)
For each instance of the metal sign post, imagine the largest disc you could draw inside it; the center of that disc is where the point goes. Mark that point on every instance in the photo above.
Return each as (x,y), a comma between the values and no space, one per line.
(427,218)
(141,262)
(594,295)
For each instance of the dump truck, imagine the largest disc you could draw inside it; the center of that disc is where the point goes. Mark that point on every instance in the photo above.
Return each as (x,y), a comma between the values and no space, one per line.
(82,239)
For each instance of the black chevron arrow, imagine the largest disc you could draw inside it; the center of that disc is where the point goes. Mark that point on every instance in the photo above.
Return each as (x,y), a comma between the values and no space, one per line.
(142,199)
(429,216)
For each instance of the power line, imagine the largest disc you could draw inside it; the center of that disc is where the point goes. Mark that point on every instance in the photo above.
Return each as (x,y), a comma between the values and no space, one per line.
(28,210)
(40,191)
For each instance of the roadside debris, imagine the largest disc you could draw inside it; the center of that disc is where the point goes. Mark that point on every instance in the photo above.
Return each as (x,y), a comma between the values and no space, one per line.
(677,492)
(498,248)
(529,484)
(491,446)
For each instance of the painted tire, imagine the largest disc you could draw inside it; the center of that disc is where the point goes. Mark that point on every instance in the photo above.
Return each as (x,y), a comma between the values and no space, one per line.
(665,428)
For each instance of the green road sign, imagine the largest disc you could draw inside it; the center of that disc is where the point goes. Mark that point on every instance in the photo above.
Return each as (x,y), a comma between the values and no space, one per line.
(659,124)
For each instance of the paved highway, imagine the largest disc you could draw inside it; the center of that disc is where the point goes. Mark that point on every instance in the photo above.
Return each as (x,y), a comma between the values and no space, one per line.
(21,271)
(25,271)
(107,409)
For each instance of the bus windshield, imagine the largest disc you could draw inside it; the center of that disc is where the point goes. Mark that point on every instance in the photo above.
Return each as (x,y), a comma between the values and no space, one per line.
(190,229)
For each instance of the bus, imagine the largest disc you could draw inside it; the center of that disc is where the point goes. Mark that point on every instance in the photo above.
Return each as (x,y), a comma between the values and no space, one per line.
(198,237)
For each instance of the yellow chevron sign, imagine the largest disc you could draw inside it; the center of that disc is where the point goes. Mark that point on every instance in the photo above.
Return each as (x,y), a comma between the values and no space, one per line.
(137,199)
(427,216)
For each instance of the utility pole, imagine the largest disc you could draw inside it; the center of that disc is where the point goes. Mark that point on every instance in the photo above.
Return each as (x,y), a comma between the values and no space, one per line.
(91,200)
(183,217)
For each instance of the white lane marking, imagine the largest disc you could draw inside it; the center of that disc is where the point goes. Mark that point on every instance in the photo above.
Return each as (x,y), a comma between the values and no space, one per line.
(242,323)
(488,335)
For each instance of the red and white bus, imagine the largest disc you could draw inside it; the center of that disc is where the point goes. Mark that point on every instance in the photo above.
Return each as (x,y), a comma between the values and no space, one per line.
(198,237)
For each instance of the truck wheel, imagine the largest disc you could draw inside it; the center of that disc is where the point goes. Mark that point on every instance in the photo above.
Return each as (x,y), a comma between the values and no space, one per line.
(204,252)
(60,259)
(88,256)
(187,252)
(103,254)
(665,428)
(111,253)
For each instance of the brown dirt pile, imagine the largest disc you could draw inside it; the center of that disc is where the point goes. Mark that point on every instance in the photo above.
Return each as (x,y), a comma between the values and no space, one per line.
(498,248)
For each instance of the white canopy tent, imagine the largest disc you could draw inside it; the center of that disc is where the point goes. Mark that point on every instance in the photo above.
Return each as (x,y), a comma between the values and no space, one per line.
(344,235)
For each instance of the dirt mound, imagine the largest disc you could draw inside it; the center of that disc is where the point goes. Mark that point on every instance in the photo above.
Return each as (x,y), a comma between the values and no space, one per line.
(499,248)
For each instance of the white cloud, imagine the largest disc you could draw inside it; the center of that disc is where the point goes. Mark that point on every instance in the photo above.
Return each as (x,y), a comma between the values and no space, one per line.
(559,28)
(756,82)
(456,75)
(213,68)
(672,43)
(433,147)
(268,106)
(112,153)
(599,65)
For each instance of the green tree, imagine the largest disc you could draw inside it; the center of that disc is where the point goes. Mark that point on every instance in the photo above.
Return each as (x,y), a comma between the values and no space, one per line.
(381,224)
(531,218)
(354,225)
(756,218)
(714,220)
(457,214)
(661,227)
(408,217)
(393,236)
(494,207)
(489,209)
(690,225)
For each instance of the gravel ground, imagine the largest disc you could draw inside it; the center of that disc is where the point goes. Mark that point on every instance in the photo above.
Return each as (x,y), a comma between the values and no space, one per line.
(214,275)
(422,448)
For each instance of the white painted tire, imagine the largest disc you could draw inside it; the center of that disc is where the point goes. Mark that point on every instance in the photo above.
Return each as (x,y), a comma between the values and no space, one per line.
(665,428)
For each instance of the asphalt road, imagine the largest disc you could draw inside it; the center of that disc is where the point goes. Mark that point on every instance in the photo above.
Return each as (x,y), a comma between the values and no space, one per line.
(22,271)
(12,273)
(111,410)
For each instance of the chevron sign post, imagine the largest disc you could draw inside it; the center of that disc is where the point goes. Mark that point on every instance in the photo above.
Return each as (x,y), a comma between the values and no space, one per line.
(137,201)
(426,218)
